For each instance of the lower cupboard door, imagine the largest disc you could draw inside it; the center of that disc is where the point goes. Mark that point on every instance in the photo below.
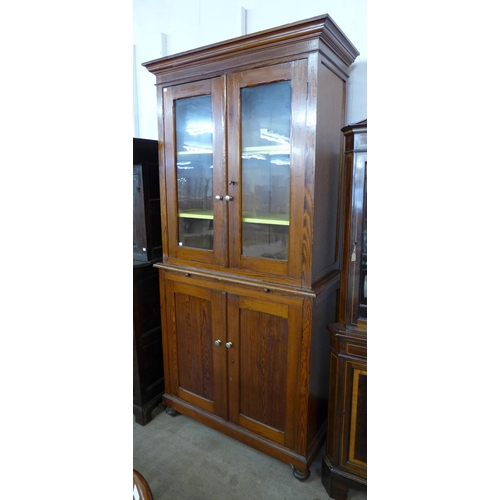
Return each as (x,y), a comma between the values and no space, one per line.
(196,345)
(354,453)
(263,364)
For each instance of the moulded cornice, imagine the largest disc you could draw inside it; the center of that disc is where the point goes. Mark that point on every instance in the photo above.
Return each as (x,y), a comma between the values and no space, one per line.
(317,28)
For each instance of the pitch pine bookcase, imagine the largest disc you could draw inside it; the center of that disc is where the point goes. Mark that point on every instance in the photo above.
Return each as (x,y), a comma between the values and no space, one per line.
(250,148)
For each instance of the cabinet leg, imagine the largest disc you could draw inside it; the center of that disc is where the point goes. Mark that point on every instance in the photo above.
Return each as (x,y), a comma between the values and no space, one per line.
(172,412)
(337,483)
(301,476)
(143,414)
(338,491)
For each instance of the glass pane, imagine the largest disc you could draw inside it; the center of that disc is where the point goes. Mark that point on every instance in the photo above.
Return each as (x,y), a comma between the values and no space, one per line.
(364,257)
(193,135)
(265,129)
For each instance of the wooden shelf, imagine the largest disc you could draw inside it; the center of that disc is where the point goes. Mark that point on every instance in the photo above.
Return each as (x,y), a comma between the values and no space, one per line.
(197,214)
(273,219)
(263,150)
(268,150)
(194,153)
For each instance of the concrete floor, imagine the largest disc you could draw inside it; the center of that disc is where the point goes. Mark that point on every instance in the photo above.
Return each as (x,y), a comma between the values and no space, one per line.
(184,460)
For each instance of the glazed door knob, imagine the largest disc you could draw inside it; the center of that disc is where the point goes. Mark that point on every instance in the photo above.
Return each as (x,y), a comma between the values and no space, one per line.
(218,342)
(229,344)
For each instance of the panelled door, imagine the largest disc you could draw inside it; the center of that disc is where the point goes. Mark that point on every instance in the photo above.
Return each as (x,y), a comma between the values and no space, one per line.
(196,345)
(354,448)
(236,356)
(263,366)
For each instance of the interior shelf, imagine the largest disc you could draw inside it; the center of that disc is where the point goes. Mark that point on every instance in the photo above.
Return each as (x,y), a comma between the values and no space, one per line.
(197,214)
(268,150)
(196,152)
(274,219)
(264,150)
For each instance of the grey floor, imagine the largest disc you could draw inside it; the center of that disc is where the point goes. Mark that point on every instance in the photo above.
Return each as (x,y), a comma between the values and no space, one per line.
(183,459)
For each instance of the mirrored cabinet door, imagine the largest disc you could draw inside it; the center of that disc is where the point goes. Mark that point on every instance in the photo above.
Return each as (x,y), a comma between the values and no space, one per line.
(195,166)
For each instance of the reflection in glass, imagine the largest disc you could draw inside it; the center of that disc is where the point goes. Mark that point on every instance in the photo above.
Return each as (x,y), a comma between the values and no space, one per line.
(364,256)
(193,136)
(265,129)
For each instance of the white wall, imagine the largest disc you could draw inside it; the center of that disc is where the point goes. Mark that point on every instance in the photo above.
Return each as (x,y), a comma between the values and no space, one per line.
(165,27)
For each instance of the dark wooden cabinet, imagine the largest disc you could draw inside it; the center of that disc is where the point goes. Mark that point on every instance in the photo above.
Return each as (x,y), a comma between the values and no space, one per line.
(146,212)
(345,462)
(250,143)
(148,356)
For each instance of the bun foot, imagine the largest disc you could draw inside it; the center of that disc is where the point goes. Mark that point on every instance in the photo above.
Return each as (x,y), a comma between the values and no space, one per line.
(301,476)
(172,412)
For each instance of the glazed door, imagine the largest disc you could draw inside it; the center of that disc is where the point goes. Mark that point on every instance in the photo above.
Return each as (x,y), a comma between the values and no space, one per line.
(357,292)
(195,171)
(139,226)
(196,345)
(266,137)
(263,361)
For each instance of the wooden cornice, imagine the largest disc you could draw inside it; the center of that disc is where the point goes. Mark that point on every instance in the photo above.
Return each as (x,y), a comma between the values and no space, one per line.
(320,28)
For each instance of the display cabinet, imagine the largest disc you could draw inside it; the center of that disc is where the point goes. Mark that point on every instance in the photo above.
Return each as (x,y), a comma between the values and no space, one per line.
(345,462)
(146,208)
(250,140)
(148,357)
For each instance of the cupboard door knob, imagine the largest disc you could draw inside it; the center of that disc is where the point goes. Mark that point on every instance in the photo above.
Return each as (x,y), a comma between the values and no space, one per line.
(229,344)
(218,197)
(228,198)
(218,342)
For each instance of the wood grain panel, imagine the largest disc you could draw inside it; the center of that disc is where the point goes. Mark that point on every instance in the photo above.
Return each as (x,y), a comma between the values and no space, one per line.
(358,436)
(194,344)
(309,177)
(357,350)
(263,341)
(330,119)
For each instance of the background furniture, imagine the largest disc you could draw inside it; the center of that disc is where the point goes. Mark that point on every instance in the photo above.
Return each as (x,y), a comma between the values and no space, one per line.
(141,489)
(148,357)
(250,141)
(345,461)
